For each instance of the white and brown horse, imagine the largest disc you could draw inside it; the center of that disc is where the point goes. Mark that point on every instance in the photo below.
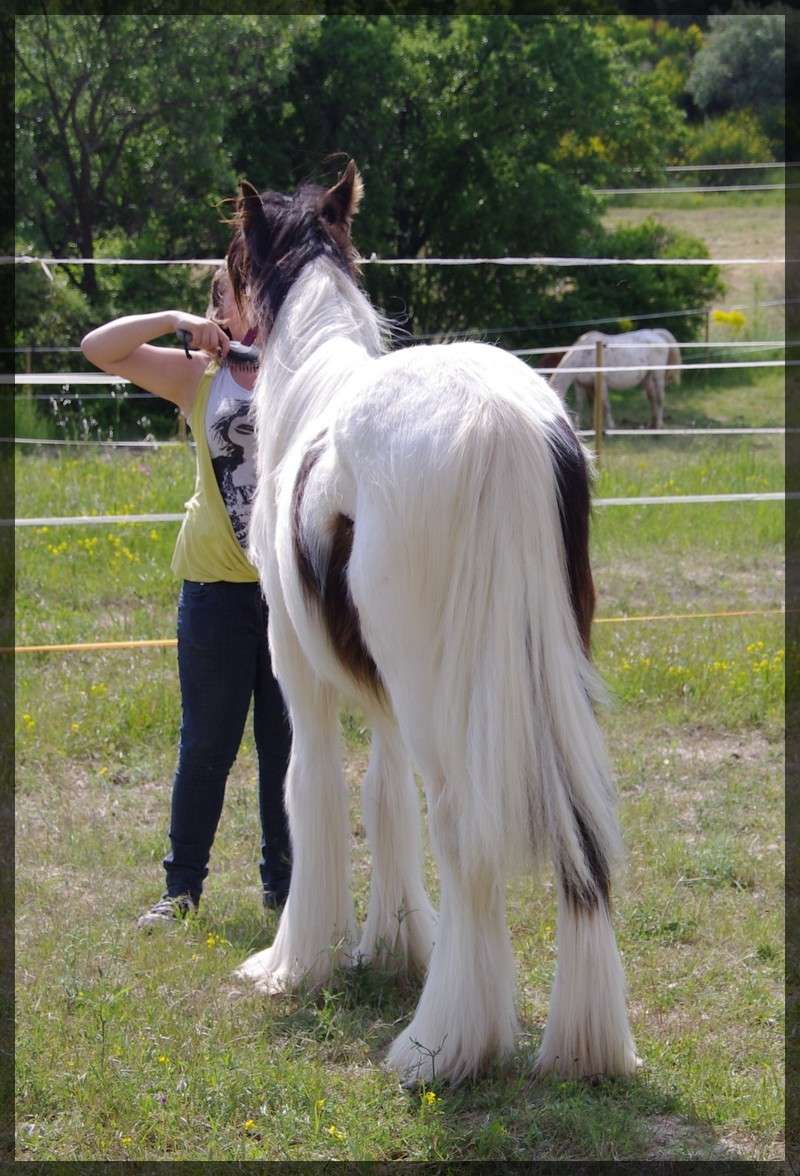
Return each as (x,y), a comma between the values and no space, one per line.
(421,530)
(642,353)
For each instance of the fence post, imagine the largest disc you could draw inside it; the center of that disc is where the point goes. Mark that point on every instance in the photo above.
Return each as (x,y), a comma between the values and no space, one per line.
(181,426)
(599,389)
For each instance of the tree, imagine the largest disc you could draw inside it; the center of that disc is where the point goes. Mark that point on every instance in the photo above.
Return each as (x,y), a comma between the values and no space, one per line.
(121,135)
(742,65)
(475,135)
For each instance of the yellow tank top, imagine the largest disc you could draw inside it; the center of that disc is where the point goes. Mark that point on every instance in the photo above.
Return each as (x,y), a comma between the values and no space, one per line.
(207,548)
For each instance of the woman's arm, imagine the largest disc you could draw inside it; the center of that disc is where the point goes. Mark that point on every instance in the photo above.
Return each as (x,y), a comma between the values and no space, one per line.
(122,348)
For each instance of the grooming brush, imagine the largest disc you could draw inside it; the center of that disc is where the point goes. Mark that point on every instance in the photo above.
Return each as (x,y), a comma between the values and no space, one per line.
(239,355)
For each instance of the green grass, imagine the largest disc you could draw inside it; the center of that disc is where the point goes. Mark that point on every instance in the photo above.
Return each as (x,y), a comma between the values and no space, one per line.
(137,1047)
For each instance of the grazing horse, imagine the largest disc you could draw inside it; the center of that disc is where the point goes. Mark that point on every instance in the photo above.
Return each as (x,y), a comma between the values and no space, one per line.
(420,526)
(642,351)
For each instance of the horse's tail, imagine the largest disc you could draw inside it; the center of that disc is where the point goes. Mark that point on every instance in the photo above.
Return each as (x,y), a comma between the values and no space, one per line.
(673,376)
(531,755)
(674,358)
(515,657)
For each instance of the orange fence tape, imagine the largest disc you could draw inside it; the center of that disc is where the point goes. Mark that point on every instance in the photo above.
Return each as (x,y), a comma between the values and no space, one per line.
(164,643)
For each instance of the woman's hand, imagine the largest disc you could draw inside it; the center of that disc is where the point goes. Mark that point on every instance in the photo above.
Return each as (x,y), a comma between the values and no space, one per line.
(122,348)
(205,335)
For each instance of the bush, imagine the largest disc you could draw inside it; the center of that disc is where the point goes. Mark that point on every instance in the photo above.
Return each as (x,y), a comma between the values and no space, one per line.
(49,312)
(736,137)
(626,292)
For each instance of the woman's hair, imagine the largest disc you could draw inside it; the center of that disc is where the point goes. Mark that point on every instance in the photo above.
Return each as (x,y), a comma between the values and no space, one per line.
(214,309)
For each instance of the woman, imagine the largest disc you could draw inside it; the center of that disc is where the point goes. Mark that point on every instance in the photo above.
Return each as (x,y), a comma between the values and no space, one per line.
(223,657)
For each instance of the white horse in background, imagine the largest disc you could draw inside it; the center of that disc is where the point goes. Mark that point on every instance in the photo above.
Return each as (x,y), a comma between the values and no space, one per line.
(420,527)
(644,352)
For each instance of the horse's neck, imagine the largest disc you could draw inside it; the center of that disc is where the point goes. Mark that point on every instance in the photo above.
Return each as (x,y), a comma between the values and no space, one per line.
(325,332)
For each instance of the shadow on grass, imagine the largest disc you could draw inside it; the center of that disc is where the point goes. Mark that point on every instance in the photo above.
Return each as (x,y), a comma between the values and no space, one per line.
(683,403)
(506,1113)
(358,1013)
(247,931)
(510,1115)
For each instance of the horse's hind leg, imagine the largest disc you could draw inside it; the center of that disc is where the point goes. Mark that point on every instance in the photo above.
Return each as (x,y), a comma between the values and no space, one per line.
(607,407)
(580,403)
(466,1015)
(398,932)
(587,1029)
(654,387)
(317,925)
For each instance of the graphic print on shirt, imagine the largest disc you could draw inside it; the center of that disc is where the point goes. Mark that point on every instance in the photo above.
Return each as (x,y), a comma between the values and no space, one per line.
(231,441)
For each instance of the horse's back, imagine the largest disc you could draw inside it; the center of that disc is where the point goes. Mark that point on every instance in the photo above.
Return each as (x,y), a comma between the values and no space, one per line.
(429,395)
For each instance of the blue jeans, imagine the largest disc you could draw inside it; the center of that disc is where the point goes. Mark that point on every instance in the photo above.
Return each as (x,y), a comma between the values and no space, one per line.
(223,662)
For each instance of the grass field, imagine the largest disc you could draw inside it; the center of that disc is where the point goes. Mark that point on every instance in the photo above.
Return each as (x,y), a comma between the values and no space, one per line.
(138,1047)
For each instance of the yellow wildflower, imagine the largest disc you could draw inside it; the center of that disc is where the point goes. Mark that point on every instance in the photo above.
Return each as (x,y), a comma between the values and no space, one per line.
(249,1124)
(335,1132)
(430,1097)
(729,318)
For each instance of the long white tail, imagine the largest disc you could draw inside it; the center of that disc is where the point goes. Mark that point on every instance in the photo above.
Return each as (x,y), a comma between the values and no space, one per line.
(515,685)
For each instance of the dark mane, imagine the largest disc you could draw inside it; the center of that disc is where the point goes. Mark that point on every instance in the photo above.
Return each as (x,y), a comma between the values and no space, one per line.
(274,240)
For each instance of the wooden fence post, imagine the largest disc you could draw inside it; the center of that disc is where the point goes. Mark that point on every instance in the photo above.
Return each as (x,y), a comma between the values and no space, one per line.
(181,426)
(599,389)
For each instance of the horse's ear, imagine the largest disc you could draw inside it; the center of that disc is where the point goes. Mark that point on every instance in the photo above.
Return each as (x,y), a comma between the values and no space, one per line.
(250,209)
(340,203)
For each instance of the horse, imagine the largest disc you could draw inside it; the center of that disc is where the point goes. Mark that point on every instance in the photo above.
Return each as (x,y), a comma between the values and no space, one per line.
(420,528)
(642,351)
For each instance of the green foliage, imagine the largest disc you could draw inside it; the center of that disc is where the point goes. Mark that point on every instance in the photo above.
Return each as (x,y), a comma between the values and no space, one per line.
(49,311)
(121,133)
(476,135)
(600,290)
(661,48)
(735,137)
(742,65)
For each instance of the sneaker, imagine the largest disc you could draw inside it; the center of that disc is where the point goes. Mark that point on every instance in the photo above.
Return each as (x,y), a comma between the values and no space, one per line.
(274,900)
(169,909)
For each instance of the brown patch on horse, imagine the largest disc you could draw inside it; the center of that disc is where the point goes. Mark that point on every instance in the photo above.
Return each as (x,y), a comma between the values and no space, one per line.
(328,589)
(308,576)
(574,508)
